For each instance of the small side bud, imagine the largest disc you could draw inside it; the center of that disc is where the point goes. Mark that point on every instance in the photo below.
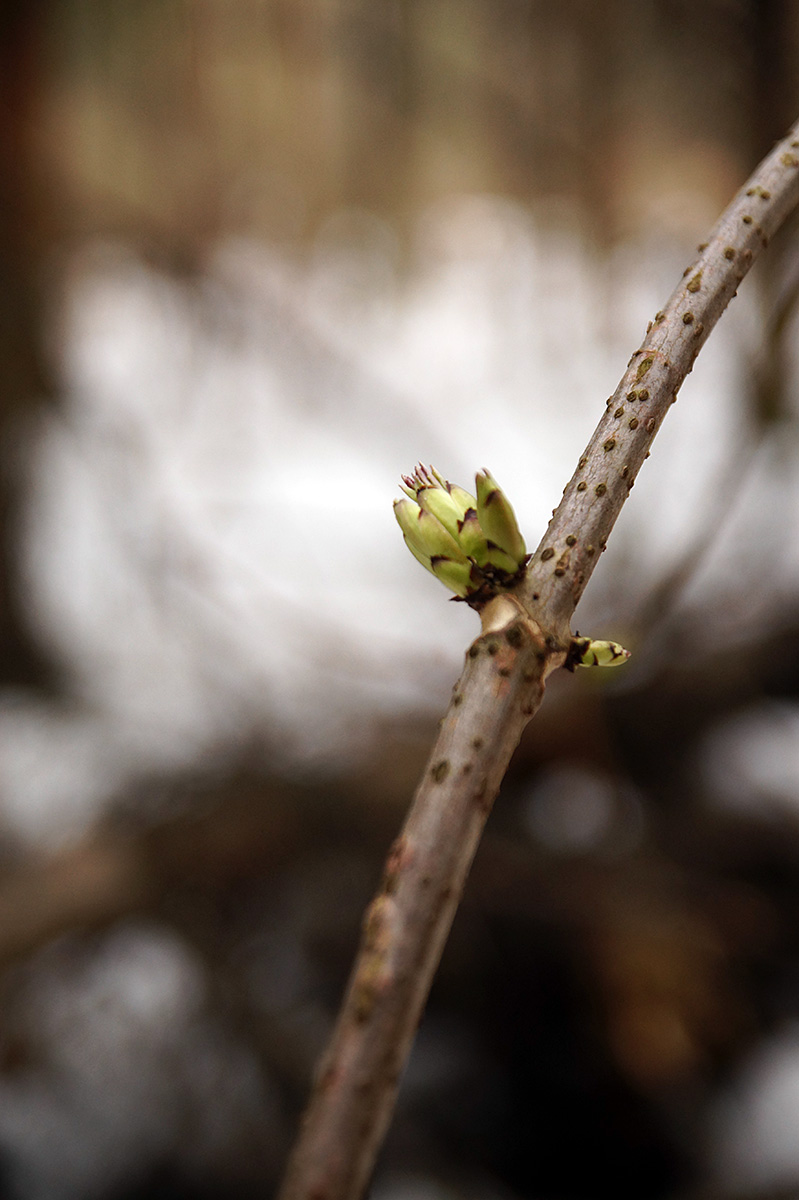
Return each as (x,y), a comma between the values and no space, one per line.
(587,652)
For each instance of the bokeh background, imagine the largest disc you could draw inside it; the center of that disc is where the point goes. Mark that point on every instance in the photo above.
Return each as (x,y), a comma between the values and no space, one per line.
(258,257)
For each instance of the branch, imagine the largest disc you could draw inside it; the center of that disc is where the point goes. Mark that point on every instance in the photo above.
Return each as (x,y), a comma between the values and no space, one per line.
(525,636)
(606,472)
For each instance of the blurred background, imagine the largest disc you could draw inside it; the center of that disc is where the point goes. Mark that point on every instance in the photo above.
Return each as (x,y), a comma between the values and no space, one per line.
(257,258)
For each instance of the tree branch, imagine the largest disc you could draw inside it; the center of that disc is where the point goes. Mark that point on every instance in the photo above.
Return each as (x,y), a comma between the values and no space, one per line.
(525,636)
(607,470)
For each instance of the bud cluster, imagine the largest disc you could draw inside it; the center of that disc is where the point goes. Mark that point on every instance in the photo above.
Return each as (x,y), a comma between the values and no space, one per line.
(472,544)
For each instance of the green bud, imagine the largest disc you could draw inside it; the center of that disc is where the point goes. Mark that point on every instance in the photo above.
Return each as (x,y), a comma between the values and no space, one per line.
(425,532)
(461,497)
(498,558)
(456,576)
(443,528)
(436,540)
(471,537)
(498,520)
(464,500)
(424,559)
(422,477)
(442,505)
(445,501)
(585,652)
(407,514)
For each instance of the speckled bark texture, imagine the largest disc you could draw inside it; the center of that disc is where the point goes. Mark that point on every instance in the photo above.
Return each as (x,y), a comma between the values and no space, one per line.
(609,466)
